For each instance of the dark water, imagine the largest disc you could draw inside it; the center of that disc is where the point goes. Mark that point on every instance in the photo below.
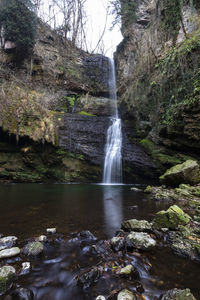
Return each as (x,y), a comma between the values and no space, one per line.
(26,210)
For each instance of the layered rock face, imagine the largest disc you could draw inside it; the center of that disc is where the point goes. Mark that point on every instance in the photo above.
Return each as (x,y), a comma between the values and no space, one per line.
(56,106)
(158,73)
(58,85)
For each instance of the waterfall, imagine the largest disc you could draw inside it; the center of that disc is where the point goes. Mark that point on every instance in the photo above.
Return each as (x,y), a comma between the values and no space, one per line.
(113,159)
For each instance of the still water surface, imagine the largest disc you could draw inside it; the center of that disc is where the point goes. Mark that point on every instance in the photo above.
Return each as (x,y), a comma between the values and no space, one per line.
(26,210)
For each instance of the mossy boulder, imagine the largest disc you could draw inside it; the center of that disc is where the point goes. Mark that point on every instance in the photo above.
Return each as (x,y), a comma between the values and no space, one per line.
(7,275)
(171,218)
(136,225)
(33,249)
(188,173)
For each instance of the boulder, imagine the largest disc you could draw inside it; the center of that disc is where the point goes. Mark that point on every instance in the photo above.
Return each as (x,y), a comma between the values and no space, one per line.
(171,218)
(6,253)
(126,295)
(33,248)
(177,294)
(188,172)
(140,240)
(7,275)
(8,242)
(136,225)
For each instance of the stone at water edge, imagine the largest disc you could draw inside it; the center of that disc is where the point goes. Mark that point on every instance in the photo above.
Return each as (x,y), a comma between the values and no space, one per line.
(177,294)
(188,172)
(148,190)
(7,242)
(117,243)
(33,248)
(6,253)
(26,267)
(171,218)
(136,225)
(7,276)
(126,295)
(51,230)
(134,189)
(140,240)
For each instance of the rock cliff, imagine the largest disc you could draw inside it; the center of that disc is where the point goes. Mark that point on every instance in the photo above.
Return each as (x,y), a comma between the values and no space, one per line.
(158,77)
(54,115)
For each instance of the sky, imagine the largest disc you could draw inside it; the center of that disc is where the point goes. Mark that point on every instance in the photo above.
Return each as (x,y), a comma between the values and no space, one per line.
(96,12)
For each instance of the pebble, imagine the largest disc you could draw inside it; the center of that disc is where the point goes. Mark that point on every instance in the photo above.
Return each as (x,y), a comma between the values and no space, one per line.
(100,298)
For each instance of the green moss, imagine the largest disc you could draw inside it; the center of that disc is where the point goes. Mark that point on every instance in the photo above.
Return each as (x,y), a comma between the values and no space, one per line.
(148,189)
(84,113)
(171,218)
(149,145)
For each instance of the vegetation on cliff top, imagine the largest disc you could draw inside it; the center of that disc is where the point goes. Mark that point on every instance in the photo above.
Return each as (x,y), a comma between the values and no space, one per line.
(18,24)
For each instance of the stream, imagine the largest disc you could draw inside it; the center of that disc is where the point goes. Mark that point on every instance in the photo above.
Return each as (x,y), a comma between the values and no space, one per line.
(26,210)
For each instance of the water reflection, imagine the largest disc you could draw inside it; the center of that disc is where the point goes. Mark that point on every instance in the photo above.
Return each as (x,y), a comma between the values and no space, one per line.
(113,210)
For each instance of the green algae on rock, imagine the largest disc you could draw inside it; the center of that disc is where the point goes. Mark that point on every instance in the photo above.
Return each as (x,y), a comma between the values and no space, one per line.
(188,172)
(171,218)
(7,275)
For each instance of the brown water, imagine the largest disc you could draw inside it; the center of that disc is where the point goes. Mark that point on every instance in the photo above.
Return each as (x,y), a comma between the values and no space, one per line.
(26,210)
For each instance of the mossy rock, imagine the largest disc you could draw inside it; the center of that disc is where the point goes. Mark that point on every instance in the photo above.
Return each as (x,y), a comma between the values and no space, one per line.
(33,249)
(148,189)
(188,172)
(171,218)
(7,275)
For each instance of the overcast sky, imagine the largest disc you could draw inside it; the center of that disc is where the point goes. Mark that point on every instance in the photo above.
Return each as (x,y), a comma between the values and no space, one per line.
(96,11)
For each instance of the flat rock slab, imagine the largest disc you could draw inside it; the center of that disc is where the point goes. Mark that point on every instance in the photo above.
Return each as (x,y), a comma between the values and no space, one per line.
(140,240)
(9,252)
(7,242)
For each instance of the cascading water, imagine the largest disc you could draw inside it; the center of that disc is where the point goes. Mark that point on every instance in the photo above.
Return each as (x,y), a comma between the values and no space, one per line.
(113,158)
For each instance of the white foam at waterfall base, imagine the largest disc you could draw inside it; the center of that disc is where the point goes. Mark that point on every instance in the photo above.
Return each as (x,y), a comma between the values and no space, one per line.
(113,158)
